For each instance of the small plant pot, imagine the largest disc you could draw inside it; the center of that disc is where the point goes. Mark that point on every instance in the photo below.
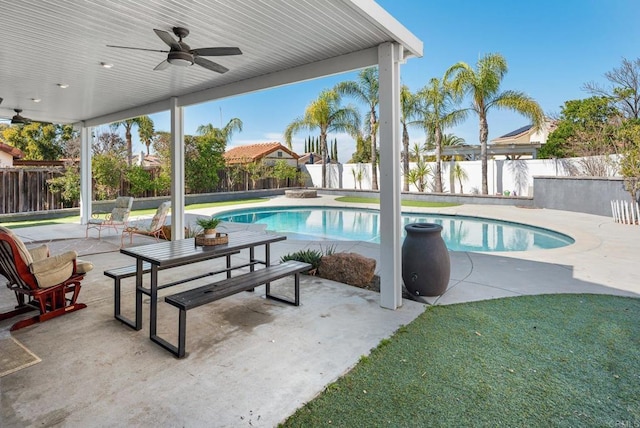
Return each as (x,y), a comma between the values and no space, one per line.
(210,233)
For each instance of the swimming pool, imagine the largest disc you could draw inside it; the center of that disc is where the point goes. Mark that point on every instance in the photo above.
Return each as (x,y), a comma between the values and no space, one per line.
(460,233)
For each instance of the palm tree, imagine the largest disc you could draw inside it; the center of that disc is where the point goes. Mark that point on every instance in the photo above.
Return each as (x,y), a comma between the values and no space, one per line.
(365,89)
(458,174)
(419,175)
(223,134)
(440,113)
(145,129)
(483,84)
(410,109)
(326,114)
(416,152)
(451,140)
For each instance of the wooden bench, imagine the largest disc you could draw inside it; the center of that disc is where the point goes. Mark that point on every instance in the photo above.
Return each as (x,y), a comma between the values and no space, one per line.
(118,274)
(218,290)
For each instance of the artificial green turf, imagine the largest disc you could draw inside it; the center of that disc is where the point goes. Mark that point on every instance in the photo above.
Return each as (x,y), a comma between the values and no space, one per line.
(405,203)
(552,360)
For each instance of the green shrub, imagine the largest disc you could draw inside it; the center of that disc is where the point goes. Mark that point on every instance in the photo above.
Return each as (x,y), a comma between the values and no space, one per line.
(312,257)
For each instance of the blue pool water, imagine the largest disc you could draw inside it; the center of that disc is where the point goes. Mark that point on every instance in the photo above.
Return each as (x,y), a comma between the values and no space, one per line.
(353,224)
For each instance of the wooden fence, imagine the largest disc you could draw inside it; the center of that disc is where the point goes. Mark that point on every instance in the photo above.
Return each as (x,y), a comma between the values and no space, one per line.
(23,190)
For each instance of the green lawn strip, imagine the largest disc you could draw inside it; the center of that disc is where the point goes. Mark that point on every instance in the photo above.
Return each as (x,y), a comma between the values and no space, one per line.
(552,360)
(224,203)
(50,221)
(132,216)
(405,203)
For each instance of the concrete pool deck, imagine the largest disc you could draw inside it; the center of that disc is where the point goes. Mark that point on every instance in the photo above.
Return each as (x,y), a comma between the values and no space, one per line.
(252,362)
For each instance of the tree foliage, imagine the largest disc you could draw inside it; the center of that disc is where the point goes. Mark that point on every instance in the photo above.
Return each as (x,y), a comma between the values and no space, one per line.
(109,142)
(282,171)
(585,127)
(140,180)
(363,149)
(440,112)
(629,134)
(203,159)
(68,185)
(145,131)
(40,141)
(255,171)
(204,155)
(327,115)
(366,90)
(108,171)
(411,109)
(482,84)
(624,88)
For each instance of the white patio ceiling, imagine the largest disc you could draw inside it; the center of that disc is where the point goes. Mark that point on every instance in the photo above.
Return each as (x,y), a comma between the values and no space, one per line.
(49,42)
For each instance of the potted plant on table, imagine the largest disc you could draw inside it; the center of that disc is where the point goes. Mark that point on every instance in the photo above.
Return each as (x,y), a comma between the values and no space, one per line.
(208,225)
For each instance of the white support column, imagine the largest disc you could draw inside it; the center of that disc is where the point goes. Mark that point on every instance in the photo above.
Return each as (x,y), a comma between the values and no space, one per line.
(389,57)
(86,138)
(177,170)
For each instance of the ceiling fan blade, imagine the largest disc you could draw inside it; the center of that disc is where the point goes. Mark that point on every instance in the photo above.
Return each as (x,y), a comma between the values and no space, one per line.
(222,51)
(136,49)
(210,65)
(168,39)
(164,64)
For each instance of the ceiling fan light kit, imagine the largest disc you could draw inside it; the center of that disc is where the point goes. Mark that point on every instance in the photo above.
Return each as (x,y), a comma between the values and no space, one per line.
(182,59)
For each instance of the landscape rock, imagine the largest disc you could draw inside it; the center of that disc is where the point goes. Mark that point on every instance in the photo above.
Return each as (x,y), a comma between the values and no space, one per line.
(348,268)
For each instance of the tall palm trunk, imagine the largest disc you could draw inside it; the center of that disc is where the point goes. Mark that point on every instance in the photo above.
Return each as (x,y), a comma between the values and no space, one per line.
(127,136)
(374,155)
(405,158)
(484,134)
(438,141)
(323,150)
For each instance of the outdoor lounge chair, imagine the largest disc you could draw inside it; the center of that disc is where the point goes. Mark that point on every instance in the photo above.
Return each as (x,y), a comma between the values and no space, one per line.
(49,284)
(153,228)
(117,217)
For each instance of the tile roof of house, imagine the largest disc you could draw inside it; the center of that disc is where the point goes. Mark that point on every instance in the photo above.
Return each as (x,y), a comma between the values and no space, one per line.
(16,153)
(253,152)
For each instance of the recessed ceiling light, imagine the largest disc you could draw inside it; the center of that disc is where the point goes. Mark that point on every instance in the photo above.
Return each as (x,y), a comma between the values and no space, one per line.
(36,100)
(106,65)
(63,85)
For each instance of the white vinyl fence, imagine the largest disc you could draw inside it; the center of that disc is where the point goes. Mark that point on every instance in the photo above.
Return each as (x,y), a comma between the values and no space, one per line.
(625,212)
(513,177)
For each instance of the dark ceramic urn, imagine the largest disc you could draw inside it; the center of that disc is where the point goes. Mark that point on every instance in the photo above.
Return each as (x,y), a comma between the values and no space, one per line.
(426,266)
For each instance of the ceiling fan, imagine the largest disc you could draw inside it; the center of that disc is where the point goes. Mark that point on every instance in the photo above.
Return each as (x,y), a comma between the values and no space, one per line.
(182,55)
(18,119)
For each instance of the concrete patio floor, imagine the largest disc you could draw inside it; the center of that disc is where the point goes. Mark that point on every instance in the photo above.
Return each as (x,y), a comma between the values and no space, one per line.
(253,362)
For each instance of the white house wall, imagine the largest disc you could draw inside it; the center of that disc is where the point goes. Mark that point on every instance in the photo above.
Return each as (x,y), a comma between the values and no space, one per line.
(6,160)
(279,155)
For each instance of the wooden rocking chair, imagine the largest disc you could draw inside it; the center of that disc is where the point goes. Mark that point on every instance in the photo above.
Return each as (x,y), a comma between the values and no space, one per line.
(48,284)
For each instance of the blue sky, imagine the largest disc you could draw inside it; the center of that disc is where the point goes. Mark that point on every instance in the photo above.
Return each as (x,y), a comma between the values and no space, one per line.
(552,47)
